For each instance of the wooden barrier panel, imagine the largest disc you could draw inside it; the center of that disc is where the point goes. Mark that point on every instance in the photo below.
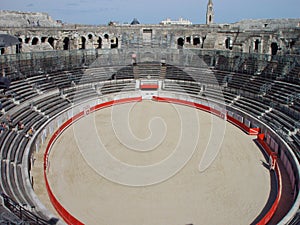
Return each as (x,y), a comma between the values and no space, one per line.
(149,86)
(248,130)
(274,207)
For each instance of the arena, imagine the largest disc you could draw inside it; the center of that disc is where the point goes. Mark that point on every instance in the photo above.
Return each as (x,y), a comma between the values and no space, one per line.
(149,124)
(193,195)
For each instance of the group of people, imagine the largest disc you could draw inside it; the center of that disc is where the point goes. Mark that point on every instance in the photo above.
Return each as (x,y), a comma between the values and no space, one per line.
(7,124)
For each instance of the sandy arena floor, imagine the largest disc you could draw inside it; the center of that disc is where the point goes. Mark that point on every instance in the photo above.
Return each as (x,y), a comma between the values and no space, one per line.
(138,164)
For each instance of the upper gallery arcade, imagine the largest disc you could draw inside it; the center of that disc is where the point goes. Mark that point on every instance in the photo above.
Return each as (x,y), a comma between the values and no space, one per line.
(39,32)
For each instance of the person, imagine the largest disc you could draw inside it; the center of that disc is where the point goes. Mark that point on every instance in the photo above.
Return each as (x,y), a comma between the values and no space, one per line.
(133,59)
(8,121)
(20,126)
(272,161)
(3,127)
(30,132)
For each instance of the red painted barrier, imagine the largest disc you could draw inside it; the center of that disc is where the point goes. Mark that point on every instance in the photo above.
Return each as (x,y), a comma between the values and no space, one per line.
(248,130)
(68,218)
(274,207)
(187,103)
(115,102)
(149,86)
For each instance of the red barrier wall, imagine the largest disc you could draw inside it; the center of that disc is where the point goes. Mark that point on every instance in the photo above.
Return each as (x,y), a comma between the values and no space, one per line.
(248,130)
(274,207)
(149,86)
(68,218)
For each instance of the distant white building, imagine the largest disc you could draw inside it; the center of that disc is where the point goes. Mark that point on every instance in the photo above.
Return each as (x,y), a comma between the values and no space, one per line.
(180,21)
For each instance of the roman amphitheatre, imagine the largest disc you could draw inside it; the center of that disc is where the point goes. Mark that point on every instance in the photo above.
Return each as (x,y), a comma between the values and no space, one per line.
(149,124)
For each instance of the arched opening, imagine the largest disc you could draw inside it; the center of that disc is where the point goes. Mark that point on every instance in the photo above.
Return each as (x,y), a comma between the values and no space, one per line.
(256,45)
(228,43)
(196,41)
(274,48)
(99,41)
(209,19)
(27,40)
(66,43)
(106,36)
(83,41)
(19,46)
(90,36)
(51,41)
(188,39)
(2,51)
(203,39)
(43,39)
(180,42)
(114,43)
(35,41)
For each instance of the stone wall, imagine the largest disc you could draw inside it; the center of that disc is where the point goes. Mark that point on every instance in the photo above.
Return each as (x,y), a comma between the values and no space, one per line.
(277,36)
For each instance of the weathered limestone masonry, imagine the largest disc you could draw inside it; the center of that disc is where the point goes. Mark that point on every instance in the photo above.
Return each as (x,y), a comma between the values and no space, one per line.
(39,32)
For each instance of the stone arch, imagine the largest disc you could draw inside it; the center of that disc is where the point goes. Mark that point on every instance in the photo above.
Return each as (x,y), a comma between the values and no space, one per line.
(228,43)
(19,46)
(274,48)
(66,45)
(99,42)
(27,40)
(256,45)
(90,36)
(202,43)
(83,42)
(208,60)
(188,39)
(114,42)
(43,39)
(34,41)
(51,41)
(221,62)
(180,42)
(196,40)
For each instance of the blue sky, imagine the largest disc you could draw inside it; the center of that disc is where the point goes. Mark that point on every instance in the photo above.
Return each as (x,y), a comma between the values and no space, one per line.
(153,11)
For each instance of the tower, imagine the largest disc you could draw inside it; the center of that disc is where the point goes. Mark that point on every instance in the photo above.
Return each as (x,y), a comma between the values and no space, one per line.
(210,13)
